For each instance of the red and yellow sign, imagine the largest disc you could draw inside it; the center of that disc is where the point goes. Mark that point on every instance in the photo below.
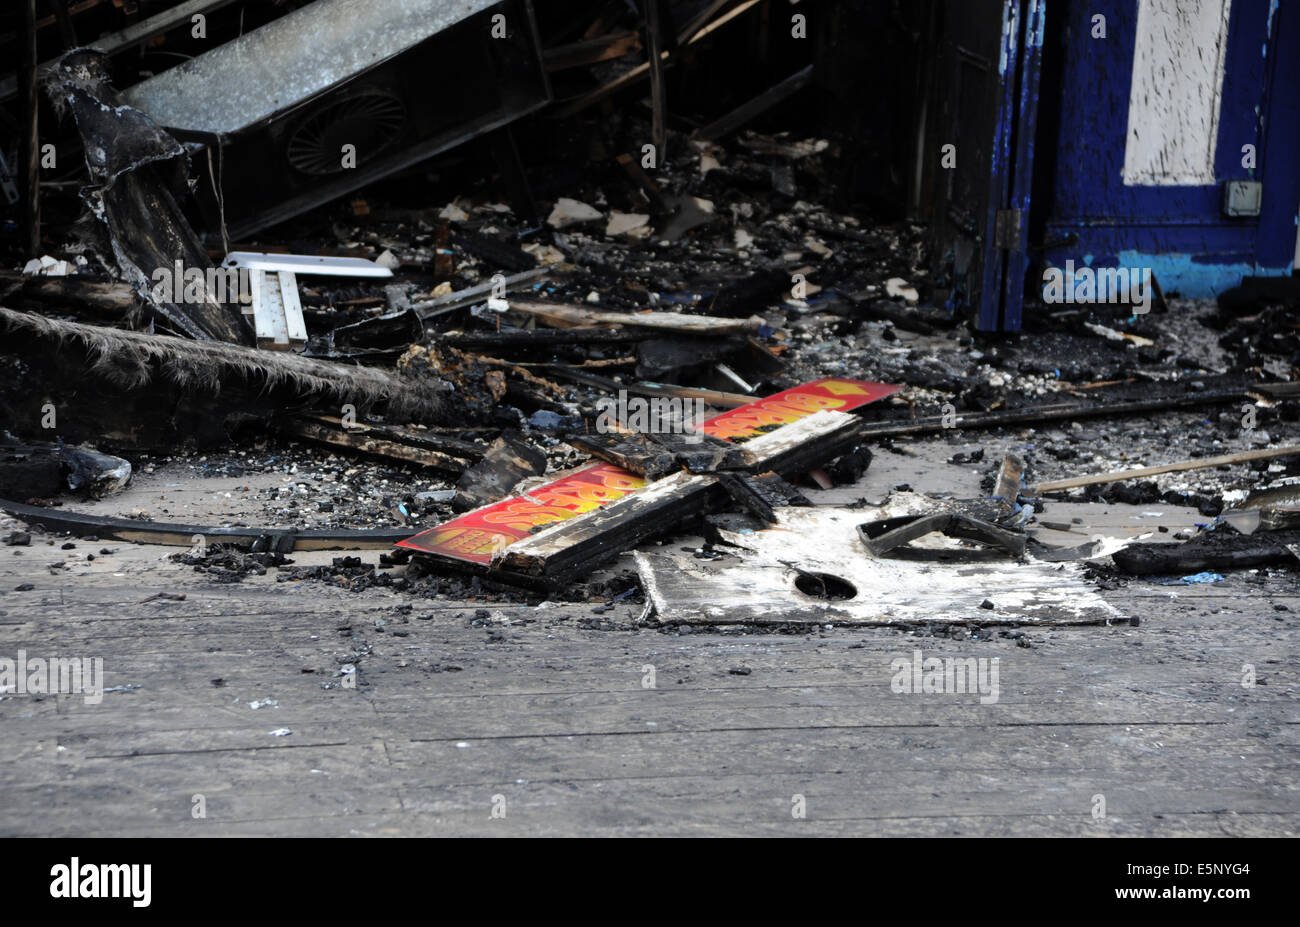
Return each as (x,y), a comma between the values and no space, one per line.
(475,536)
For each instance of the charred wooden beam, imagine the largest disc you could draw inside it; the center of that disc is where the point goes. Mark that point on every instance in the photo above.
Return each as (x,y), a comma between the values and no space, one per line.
(339,437)
(421,438)
(183,535)
(1214,551)
(1055,412)
(1199,463)
(507,462)
(880,537)
(104,299)
(656,455)
(560,316)
(541,337)
(658,94)
(711,396)
(29,155)
(760,104)
(743,493)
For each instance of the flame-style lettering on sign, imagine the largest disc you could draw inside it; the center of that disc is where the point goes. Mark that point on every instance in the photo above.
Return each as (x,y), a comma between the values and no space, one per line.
(475,536)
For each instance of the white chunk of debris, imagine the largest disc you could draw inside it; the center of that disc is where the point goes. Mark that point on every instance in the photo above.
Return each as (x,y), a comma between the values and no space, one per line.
(453,213)
(545,254)
(569,212)
(898,287)
(631,224)
(817,247)
(47,266)
(743,239)
(1111,334)
(389,260)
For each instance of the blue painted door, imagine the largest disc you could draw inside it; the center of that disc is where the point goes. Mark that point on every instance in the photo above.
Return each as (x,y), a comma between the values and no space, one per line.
(1162,104)
(980,152)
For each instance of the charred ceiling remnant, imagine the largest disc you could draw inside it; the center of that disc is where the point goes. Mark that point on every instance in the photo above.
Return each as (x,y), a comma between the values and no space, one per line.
(283,100)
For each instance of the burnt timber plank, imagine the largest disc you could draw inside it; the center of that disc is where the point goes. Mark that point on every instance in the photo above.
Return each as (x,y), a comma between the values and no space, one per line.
(656,455)
(424,438)
(182,535)
(507,462)
(375,447)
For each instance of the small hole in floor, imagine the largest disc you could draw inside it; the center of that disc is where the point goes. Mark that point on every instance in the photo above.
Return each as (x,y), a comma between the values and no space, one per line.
(825,586)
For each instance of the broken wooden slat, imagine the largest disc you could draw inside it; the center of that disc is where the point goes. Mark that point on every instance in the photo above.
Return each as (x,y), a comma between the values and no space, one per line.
(1054,412)
(268,311)
(712,397)
(425,438)
(747,497)
(578,316)
(1200,463)
(635,453)
(377,447)
(540,337)
(295,327)
(277,311)
(655,455)
(579,544)
(701,453)
(430,308)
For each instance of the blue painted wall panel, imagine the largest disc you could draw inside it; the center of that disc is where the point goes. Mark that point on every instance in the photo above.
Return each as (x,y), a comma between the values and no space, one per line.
(1179,231)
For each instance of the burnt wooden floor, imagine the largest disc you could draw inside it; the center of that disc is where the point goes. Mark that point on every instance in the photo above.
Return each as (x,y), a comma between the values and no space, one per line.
(547,710)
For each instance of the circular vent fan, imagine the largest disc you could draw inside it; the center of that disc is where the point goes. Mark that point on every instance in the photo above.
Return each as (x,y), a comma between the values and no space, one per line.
(370,119)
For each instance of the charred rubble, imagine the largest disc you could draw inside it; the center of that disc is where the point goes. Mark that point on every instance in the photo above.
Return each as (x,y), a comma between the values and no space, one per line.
(468,317)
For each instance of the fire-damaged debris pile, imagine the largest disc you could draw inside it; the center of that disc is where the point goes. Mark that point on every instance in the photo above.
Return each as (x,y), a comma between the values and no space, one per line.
(505,380)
